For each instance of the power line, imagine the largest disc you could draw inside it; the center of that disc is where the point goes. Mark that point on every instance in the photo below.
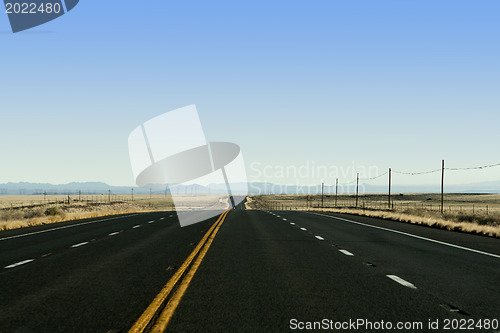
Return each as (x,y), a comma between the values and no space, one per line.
(475,168)
(416,173)
(420,173)
(372,178)
(451,169)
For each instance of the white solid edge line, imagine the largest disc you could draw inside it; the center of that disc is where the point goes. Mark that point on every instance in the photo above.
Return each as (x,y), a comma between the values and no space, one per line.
(114,233)
(304,229)
(19,263)
(67,226)
(401,281)
(80,244)
(415,236)
(136,226)
(347,253)
(319,237)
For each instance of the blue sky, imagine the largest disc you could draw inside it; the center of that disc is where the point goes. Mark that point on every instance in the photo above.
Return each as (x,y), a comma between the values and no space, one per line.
(344,84)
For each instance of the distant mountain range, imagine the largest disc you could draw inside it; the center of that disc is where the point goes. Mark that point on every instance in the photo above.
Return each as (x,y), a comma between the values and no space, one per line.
(92,188)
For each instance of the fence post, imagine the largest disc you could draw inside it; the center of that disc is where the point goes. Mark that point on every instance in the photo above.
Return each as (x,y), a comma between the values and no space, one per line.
(336,191)
(390,171)
(442,187)
(357,188)
(322,193)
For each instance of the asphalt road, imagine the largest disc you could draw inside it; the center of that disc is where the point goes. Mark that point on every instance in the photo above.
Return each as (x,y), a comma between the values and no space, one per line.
(92,276)
(264,272)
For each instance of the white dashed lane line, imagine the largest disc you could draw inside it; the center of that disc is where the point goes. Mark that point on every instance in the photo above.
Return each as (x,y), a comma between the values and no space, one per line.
(114,233)
(65,227)
(19,263)
(80,244)
(401,281)
(411,235)
(347,253)
(151,221)
(162,218)
(136,226)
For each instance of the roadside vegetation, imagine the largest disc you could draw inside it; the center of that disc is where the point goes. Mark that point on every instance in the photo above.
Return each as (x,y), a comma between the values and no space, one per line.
(24,211)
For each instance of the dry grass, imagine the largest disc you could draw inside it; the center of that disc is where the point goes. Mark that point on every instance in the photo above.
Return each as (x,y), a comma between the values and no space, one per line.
(25,211)
(19,218)
(413,211)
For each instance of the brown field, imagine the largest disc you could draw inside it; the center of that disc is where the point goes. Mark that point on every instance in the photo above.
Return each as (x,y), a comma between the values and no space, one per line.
(19,211)
(472,213)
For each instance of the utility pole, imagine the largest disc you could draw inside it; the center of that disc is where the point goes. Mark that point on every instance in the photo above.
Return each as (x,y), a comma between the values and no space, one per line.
(109,196)
(357,188)
(336,191)
(150,196)
(132,195)
(442,187)
(390,172)
(322,193)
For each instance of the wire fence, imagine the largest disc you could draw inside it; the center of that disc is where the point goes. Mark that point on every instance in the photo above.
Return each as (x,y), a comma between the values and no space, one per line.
(349,202)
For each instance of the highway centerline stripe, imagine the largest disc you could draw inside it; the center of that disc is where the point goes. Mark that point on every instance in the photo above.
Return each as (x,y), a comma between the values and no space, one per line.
(167,313)
(136,226)
(151,221)
(80,244)
(142,323)
(292,223)
(304,229)
(114,233)
(415,236)
(19,263)
(284,219)
(319,237)
(347,253)
(401,281)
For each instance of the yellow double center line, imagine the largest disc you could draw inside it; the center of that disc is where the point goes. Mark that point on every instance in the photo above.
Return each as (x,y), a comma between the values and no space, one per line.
(159,323)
